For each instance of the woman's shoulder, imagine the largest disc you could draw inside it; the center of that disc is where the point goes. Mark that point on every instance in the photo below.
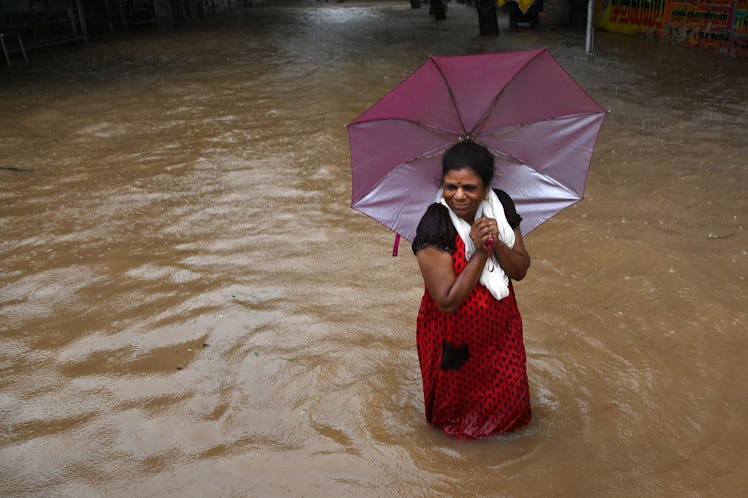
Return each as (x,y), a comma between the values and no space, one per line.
(436,210)
(435,230)
(505,198)
(510,210)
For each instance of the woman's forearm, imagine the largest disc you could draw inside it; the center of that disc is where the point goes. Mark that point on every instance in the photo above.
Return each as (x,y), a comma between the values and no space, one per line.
(514,264)
(463,284)
(448,290)
(514,261)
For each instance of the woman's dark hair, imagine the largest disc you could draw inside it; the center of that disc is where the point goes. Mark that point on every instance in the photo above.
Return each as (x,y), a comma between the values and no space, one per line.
(469,154)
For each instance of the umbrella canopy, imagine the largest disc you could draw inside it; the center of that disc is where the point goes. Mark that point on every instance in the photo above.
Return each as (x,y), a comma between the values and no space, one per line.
(540,125)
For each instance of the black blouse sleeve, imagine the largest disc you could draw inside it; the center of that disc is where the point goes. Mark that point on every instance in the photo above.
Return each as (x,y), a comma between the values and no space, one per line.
(512,216)
(436,230)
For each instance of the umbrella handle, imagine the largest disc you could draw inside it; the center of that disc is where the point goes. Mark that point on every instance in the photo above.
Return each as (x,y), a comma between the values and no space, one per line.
(489,245)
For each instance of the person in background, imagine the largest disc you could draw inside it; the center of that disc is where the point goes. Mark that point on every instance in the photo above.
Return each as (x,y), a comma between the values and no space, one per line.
(469,248)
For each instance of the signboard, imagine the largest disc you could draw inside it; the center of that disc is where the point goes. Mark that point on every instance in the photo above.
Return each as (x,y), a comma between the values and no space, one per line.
(720,25)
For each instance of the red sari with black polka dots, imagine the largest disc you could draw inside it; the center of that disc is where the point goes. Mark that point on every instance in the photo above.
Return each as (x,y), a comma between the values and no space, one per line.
(473,362)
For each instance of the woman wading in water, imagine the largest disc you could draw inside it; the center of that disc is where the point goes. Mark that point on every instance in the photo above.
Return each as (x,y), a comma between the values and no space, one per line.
(469,331)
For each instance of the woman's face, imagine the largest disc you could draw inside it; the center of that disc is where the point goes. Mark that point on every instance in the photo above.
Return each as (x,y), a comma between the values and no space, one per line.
(463,192)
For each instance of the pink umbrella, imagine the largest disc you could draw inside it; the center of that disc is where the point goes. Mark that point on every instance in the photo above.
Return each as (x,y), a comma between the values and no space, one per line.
(539,123)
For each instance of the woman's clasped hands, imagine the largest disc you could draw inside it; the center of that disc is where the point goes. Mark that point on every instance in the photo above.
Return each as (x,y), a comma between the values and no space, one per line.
(484,233)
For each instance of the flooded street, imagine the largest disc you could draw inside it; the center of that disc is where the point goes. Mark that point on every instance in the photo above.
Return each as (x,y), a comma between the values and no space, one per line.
(188,305)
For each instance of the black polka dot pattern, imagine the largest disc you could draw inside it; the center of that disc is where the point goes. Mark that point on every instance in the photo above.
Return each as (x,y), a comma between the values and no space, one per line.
(488,394)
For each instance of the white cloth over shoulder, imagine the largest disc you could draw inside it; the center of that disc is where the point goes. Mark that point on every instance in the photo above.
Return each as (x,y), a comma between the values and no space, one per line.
(492,276)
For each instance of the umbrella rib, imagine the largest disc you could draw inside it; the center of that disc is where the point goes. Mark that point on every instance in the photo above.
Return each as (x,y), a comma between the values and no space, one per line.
(489,110)
(504,155)
(508,129)
(430,154)
(449,135)
(436,131)
(451,96)
(517,160)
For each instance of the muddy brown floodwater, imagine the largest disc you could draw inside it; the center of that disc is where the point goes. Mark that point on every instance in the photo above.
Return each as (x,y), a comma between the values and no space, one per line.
(189,307)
